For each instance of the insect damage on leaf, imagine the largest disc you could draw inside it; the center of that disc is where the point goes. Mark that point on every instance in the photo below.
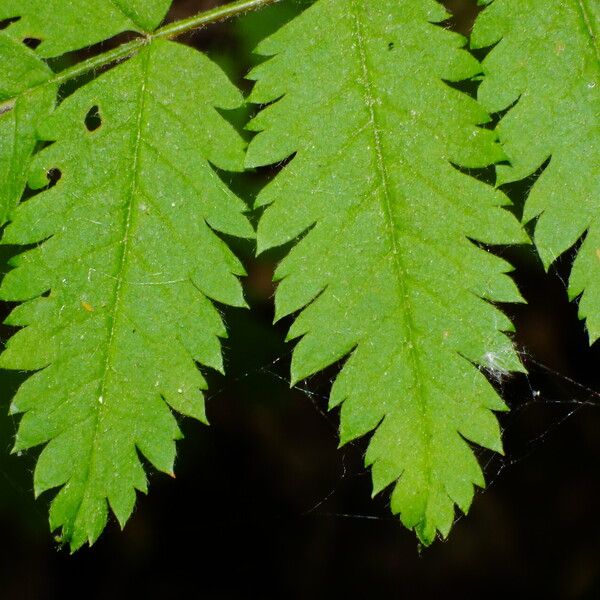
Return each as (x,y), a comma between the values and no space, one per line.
(116,292)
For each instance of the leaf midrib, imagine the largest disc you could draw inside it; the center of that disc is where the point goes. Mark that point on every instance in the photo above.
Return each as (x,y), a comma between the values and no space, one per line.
(103,400)
(386,205)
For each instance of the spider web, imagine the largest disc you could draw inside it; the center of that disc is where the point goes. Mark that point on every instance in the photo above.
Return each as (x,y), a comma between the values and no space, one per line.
(570,397)
(556,392)
(552,395)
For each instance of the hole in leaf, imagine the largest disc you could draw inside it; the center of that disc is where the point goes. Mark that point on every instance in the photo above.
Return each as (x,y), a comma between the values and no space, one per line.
(54,176)
(4,23)
(32,43)
(93,120)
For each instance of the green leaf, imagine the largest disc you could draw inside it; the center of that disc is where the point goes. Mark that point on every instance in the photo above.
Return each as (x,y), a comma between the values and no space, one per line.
(65,26)
(383,270)
(255,26)
(20,69)
(547,63)
(117,290)
(24,99)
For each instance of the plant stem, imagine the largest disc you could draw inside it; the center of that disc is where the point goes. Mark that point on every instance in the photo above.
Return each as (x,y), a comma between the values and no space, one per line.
(169,31)
(215,15)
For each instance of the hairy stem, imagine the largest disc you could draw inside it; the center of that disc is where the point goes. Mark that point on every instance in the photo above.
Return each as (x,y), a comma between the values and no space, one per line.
(124,51)
(215,15)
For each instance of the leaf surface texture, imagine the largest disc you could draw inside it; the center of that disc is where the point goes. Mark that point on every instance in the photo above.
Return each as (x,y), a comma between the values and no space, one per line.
(27,89)
(382,272)
(62,26)
(117,288)
(20,70)
(545,68)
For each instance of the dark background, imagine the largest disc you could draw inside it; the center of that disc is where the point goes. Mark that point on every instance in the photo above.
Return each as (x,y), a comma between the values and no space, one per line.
(265,505)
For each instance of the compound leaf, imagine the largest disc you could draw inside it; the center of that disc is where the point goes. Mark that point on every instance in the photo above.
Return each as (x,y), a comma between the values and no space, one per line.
(59,26)
(383,270)
(20,69)
(27,86)
(116,293)
(545,66)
